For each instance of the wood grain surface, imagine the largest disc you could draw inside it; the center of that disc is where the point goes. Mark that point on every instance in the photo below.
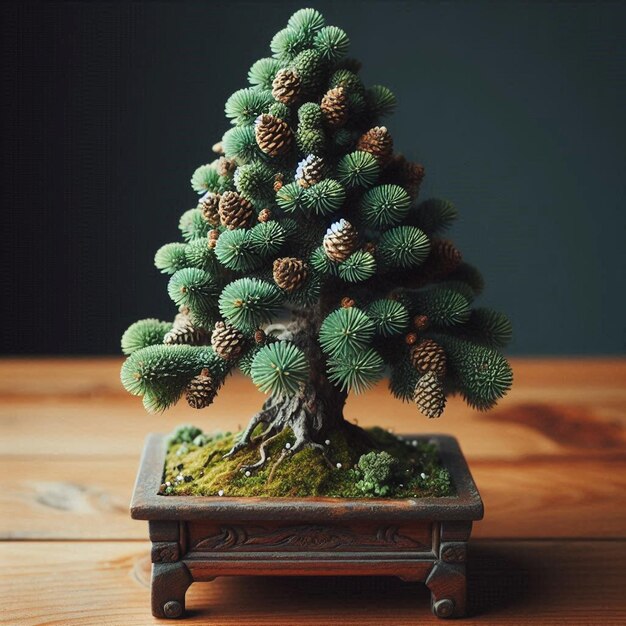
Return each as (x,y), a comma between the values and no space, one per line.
(550,463)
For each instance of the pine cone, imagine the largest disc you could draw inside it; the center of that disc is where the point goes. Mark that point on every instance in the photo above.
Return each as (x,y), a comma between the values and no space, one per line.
(234,210)
(334,106)
(340,241)
(310,171)
(286,86)
(290,273)
(278,182)
(273,135)
(420,322)
(429,395)
(184,331)
(378,142)
(212,237)
(403,172)
(445,256)
(259,336)
(209,204)
(265,215)
(226,167)
(347,302)
(227,341)
(410,338)
(429,356)
(201,390)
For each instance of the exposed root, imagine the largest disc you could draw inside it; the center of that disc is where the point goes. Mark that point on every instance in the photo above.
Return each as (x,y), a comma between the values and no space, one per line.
(262,417)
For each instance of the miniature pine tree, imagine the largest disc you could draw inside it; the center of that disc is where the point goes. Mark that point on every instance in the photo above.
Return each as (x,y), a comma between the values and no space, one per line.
(309,217)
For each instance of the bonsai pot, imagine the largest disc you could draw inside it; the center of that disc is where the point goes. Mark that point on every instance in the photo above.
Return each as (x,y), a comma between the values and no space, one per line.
(199,538)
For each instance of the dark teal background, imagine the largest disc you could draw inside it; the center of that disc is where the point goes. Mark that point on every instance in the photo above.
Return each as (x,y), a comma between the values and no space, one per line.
(516,110)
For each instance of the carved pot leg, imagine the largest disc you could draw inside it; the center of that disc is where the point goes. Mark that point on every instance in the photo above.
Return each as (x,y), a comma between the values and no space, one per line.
(170,582)
(447,584)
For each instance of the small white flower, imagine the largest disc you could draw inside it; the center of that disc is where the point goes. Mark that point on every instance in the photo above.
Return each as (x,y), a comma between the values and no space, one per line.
(287,445)
(327,442)
(339,466)
(168,484)
(220,492)
(247,472)
(423,476)
(414,443)
(400,485)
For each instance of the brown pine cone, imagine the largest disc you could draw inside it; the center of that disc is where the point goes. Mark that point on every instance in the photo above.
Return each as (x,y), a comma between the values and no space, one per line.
(340,241)
(429,395)
(234,210)
(411,338)
(201,390)
(184,331)
(226,167)
(286,86)
(209,204)
(265,215)
(213,237)
(445,255)
(334,107)
(404,173)
(227,341)
(370,247)
(310,171)
(278,182)
(259,336)
(420,322)
(290,273)
(429,356)
(273,135)
(347,302)
(378,142)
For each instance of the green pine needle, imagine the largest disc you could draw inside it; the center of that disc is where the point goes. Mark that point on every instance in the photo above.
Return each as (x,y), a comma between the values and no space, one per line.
(356,372)
(359,266)
(404,247)
(332,43)
(144,333)
(380,100)
(320,262)
(191,287)
(279,369)
(288,43)
(358,169)
(385,205)
(267,238)
(434,216)
(389,316)
(488,327)
(240,144)
(205,178)
(325,197)
(245,105)
(199,254)
(308,21)
(346,332)
(171,257)
(192,225)
(255,181)
(249,302)
(443,307)
(262,72)
(235,251)
(290,198)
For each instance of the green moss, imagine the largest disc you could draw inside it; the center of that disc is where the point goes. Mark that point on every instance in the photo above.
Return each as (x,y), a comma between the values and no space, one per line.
(201,470)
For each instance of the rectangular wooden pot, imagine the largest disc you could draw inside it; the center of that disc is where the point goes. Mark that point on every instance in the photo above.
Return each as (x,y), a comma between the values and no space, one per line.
(199,538)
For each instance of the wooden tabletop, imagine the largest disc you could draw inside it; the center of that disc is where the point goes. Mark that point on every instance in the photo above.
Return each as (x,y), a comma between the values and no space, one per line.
(550,463)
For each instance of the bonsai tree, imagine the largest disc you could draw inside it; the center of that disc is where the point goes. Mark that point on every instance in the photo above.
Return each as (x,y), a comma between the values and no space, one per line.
(310,264)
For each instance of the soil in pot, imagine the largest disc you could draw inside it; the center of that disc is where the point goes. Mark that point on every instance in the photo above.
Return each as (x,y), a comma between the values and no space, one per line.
(376,464)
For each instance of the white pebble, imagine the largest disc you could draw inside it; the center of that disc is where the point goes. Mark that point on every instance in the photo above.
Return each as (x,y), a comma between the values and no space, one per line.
(400,485)
(287,445)
(414,443)
(423,475)
(247,472)
(168,484)
(327,442)
(220,492)
(339,466)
